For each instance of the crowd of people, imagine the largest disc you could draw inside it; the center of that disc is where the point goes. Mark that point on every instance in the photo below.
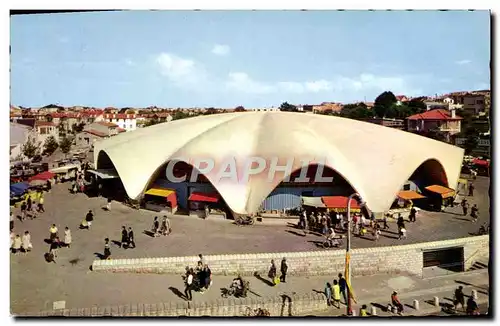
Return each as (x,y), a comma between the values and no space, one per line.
(198,279)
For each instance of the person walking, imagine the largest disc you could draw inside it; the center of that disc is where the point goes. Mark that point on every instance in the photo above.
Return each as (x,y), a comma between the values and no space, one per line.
(89,218)
(11,221)
(23,211)
(413,215)
(53,232)
(363,311)
(376,231)
(328,293)
(401,221)
(54,247)
(155,226)
(26,242)
(272,273)
(107,249)
(402,232)
(472,307)
(34,211)
(125,242)
(459,298)
(67,237)
(471,190)
(189,285)
(473,213)
(343,287)
(41,201)
(17,244)
(465,206)
(48,185)
(29,203)
(396,303)
(202,260)
(208,276)
(336,294)
(131,241)
(386,226)
(12,238)
(283,270)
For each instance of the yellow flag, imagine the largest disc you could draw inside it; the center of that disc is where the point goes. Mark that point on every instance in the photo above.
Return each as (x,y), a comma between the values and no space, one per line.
(347,266)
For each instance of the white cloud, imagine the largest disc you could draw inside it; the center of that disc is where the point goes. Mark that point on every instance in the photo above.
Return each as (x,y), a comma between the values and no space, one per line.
(179,70)
(129,62)
(240,81)
(463,62)
(221,49)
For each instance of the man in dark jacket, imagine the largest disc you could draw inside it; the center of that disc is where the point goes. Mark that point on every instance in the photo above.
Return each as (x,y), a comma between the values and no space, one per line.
(284,269)
(130,236)
(124,242)
(343,287)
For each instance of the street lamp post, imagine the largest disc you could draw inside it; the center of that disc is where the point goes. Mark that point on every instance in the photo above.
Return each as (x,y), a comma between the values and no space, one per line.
(348,249)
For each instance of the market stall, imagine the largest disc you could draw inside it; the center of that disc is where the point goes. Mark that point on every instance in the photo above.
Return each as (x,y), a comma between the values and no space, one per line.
(404,203)
(66,173)
(205,205)
(314,202)
(18,189)
(439,196)
(338,204)
(160,200)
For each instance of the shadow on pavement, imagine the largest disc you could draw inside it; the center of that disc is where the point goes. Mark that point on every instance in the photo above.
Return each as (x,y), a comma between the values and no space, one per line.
(295,233)
(99,255)
(177,292)
(257,276)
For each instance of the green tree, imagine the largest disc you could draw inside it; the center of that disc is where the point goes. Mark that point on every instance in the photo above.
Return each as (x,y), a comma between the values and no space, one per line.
(417,106)
(210,111)
(239,109)
(356,111)
(78,127)
(30,148)
(65,145)
(180,115)
(386,99)
(470,144)
(151,122)
(287,107)
(50,145)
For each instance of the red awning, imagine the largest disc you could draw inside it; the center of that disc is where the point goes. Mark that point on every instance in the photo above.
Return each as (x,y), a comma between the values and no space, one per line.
(203,197)
(481,162)
(338,202)
(43,176)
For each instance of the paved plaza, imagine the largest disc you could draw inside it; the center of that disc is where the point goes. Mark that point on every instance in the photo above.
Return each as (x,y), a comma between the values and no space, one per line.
(35,284)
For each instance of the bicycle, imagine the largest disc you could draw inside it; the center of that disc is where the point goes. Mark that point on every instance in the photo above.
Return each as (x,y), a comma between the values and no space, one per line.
(334,243)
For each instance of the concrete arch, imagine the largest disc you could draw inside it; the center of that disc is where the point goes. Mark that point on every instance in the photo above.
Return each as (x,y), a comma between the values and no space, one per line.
(375,160)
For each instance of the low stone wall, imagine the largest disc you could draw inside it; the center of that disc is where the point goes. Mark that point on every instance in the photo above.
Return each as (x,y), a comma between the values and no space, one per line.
(284,305)
(365,261)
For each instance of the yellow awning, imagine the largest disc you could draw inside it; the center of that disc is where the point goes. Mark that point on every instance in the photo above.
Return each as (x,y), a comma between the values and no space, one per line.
(159,192)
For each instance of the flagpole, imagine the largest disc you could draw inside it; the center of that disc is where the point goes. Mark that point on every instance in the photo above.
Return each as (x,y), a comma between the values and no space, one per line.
(348,273)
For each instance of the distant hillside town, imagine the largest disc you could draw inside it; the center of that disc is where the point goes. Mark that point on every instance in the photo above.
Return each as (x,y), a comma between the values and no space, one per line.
(460,118)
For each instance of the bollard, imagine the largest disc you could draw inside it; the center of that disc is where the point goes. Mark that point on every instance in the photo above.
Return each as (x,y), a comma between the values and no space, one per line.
(474,294)
(374,311)
(436,301)
(415,304)
(354,314)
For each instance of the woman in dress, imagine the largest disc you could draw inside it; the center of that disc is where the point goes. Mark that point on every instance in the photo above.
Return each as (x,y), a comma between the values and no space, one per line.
(26,242)
(16,246)
(67,237)
(272,272)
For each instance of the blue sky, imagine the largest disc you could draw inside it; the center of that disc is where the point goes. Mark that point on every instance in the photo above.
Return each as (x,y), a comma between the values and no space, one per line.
(254,59)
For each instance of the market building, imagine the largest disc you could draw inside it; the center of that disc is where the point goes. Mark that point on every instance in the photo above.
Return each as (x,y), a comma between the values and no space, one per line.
(348,155)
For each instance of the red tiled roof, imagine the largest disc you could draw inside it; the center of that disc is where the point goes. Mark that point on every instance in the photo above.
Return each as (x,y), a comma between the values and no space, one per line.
(400,97)
(44,124)
(121,129)
(438,114)
(96,133)
(119,116)
(107,124)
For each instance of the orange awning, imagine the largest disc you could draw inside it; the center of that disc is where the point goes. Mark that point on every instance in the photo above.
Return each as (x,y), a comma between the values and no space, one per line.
(409,195)
(443,191)
(203,197)
(339,202)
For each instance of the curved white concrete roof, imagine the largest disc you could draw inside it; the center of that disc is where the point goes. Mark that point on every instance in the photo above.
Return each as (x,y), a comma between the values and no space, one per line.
(375,160)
